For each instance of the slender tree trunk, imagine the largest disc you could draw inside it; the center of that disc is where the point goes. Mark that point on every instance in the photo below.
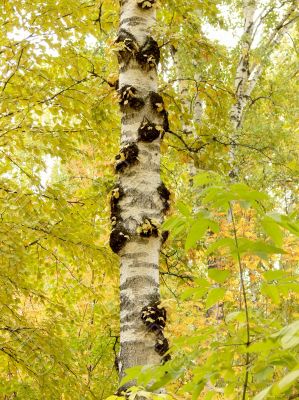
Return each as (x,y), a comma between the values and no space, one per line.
(140,199)
(243,71)
(241,79)
(192,104)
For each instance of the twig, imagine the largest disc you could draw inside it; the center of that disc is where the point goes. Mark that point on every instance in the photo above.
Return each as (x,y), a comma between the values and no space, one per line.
(14,72)
(245,385)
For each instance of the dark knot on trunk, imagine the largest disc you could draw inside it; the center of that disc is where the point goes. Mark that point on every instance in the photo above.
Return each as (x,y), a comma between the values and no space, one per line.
(127,97)
(149,54)
(127,156)
(148,131)
(118,238)
(146,4)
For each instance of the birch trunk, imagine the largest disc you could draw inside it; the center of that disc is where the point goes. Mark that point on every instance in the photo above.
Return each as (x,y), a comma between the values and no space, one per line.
(192,104)
(140,199)
(243,72)
(241,79)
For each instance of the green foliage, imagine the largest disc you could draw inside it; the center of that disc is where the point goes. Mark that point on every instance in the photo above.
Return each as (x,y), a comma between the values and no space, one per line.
(249,337)
(58,305)
(59,130)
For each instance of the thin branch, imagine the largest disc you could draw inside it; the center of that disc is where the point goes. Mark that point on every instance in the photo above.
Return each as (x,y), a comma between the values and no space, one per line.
(188,277)
(81,203)
(17,165)
(189,148)
(248,146)
(14,72)
(245,385)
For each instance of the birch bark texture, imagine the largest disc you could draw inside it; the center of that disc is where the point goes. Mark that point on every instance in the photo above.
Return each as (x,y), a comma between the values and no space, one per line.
(194,107)
(140,199)
(243,72)
(190,103)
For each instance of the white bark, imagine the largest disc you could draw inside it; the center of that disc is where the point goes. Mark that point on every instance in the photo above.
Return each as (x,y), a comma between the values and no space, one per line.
(243,72)
(197,110)
(193,106)
(139,200)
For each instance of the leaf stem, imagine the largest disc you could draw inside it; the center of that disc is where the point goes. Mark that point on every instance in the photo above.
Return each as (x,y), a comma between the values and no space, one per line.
(245,385)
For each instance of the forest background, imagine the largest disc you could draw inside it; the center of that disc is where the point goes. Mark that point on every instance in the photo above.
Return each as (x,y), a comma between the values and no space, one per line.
(229,269)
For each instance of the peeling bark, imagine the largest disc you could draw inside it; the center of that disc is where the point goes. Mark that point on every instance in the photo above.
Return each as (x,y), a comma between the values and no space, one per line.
(138,203)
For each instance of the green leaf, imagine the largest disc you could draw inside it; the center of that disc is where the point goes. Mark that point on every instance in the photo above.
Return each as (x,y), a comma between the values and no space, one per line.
(288,342)
(273,230)
(289,335)
(286,222)
(274,275)
(175,224)
(263,394)
(217,196)
(218,275)
(264,374)
(196,386)
(271,291)
(235,315)
(184,209)
(287,380)
(222,243)
(196,292)
(171,222)
(197,389)
(209,395)
(261,347)
(290,329)
(196,232)
(214,295)
(131,374)
(243,192)
(206,177)
(259,248)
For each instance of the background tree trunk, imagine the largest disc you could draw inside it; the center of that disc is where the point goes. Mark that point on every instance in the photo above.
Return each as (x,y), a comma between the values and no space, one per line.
(248,73)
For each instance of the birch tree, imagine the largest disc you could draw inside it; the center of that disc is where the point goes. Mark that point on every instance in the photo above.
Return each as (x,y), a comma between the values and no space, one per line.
(248,73)
(59,130)
(140,199)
